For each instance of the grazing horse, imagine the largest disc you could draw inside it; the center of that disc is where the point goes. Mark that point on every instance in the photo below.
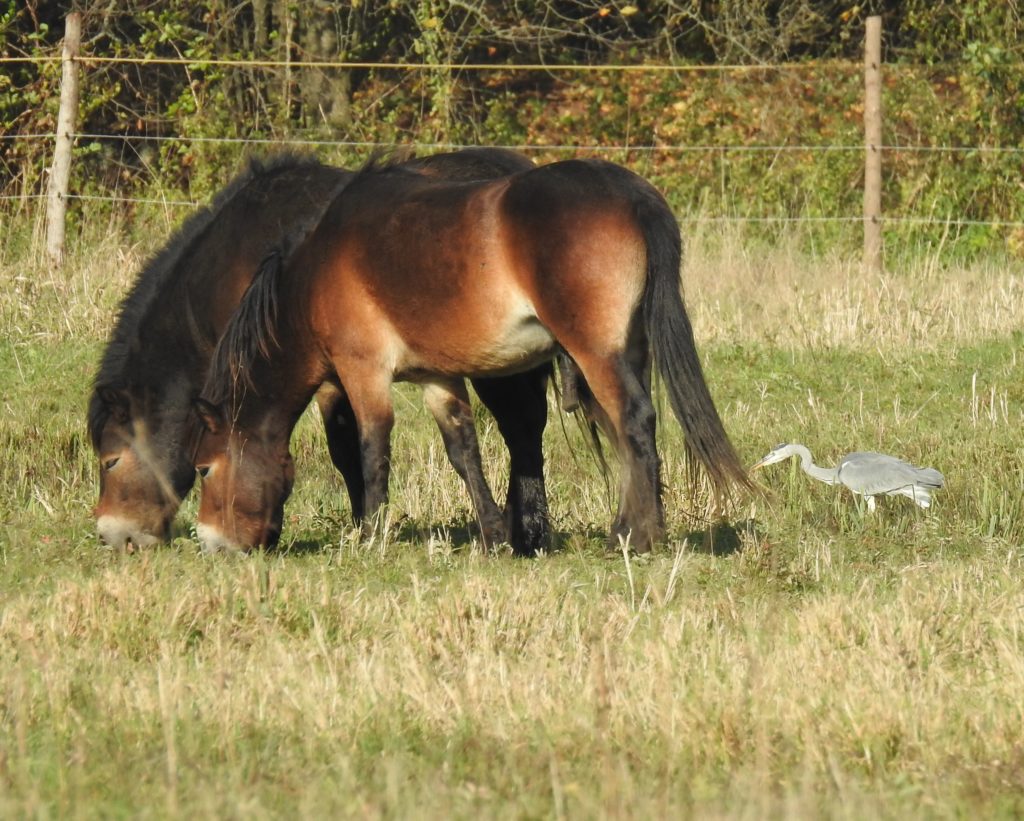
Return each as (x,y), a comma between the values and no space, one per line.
(429,281)
(157,357)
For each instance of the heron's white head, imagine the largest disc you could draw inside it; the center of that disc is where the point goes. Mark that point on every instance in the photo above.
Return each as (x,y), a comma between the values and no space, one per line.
(778,454)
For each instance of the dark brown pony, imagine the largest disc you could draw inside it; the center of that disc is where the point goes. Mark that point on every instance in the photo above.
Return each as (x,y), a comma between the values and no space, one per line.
(409,278)
(156,360)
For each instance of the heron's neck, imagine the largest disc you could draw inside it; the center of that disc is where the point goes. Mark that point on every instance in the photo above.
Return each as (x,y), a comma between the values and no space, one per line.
(829,475)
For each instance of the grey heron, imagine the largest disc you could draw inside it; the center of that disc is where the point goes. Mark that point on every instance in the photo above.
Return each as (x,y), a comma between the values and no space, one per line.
(865,473)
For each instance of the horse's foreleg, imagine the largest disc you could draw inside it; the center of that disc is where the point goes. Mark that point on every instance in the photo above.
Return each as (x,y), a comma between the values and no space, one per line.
(519,406)
(375,451)
(343,442)
(369,391)
(448,401)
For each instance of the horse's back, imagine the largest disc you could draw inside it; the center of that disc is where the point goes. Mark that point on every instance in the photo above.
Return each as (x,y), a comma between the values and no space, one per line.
(572,208)
(482,276)
(580,183)
(471,164)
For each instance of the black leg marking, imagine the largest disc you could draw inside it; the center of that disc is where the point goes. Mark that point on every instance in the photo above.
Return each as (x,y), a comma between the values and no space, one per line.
(644,509)
(519,406)
(343,444)
(375,447)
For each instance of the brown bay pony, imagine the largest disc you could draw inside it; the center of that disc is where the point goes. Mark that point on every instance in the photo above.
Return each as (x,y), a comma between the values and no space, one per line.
(429,281)
(156,359)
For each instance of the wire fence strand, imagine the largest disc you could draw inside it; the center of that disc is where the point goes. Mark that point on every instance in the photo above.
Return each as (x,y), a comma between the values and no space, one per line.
(306,142)
(614,68)
(953,222)
(708,148)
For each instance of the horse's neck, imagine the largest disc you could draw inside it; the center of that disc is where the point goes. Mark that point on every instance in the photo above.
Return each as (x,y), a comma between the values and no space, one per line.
(283,384)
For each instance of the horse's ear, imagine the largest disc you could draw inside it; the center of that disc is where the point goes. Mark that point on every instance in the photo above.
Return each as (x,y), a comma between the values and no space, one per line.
(209,414)
(117,402)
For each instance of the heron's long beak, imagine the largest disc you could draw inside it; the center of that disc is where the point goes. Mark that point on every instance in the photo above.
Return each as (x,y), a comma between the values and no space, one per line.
(758,465)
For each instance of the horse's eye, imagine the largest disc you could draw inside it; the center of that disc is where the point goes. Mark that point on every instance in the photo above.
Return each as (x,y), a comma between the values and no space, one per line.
(203,470)
(110,463)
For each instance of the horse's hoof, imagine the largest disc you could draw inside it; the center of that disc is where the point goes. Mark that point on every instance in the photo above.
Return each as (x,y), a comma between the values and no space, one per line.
(630,542)
(494,535)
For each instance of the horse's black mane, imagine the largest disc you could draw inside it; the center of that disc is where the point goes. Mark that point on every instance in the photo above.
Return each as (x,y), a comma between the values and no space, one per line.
(385,160)
(251,333)
(161,271)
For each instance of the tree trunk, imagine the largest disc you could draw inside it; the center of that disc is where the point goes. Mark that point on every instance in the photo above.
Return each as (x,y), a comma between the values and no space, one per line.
(325,92)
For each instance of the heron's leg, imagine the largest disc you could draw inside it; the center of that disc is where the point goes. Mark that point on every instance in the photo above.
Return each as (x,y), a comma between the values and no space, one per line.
(871,503)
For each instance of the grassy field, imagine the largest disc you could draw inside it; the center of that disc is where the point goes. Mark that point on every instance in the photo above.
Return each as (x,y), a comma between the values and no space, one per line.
(809,660)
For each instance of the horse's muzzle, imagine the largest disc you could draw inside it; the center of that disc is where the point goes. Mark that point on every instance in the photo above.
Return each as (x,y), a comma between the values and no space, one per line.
(121,532)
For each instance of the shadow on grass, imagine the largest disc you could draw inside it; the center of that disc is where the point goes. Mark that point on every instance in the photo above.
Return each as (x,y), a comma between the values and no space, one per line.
(463,537)
(304,547)
(723,539)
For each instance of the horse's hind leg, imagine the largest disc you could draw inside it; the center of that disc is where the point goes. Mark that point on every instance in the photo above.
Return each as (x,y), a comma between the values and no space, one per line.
(519,406)
(343,442)
(619,387)
(448,401)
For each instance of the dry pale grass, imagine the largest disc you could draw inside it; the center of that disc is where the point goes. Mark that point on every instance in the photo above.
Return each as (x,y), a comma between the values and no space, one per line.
(778,295)
(624,692)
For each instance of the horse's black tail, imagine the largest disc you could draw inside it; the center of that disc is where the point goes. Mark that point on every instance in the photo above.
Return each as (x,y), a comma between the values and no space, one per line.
(675,353)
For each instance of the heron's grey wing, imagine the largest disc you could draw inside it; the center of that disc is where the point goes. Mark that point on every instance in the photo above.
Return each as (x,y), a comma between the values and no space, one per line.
(873,473)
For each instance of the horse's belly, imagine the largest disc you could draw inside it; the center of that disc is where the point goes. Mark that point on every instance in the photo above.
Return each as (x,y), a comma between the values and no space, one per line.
(525,344)
(490,344)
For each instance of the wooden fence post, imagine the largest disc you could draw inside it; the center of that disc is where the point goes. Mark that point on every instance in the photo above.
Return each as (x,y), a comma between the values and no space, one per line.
(60,172)
(873,146)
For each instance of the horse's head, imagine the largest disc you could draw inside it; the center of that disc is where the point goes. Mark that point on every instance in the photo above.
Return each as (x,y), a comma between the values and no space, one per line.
(246,477)
(142,480)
